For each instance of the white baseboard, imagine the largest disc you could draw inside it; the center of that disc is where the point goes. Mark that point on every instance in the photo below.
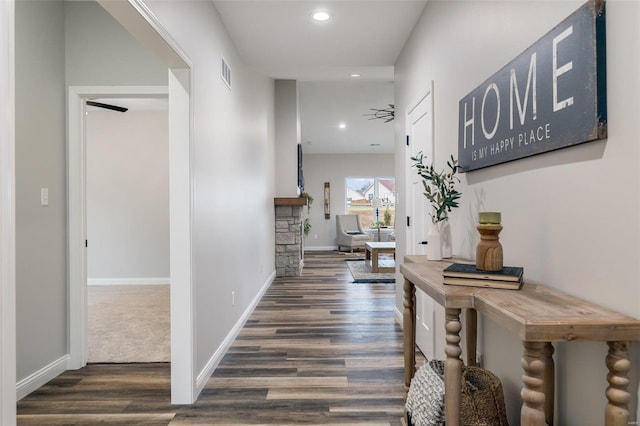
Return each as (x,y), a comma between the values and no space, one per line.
(215,359)
(321,248)
(29,384)
(128,281)
(398,315)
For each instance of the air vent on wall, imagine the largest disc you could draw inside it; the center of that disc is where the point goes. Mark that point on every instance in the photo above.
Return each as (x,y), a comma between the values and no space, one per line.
(225,73)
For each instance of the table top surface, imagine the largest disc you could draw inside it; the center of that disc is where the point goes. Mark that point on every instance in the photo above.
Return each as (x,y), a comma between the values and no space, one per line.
(381,245)
(534,313)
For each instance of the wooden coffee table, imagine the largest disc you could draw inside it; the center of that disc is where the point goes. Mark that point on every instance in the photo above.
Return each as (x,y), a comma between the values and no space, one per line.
(373,250)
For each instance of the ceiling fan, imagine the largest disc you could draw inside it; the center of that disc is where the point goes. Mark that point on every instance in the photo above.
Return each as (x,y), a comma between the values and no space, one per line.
(386,114)
(107,106)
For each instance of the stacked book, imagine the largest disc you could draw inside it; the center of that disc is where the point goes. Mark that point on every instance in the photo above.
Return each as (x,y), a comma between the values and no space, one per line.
(510,277)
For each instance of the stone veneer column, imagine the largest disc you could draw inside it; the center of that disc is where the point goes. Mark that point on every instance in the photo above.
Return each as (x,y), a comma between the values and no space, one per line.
(289,255)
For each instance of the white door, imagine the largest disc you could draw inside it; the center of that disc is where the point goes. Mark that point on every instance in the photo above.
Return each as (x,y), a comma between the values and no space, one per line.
(419,124)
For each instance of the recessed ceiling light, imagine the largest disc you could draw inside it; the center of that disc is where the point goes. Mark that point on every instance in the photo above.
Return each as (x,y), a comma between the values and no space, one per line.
(342,125)
(321,16)
(355,75)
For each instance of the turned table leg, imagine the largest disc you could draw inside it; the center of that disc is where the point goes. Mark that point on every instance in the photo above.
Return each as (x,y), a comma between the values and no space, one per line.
(409,331)
(533,398)
(617,410)
(471,339)
(549,382)
(452,367)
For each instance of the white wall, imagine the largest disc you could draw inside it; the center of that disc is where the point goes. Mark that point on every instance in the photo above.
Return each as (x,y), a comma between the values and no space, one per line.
(233,168)
(233,163)
(99,51)
(334,168)
(570,217)
(287,127)
(53,37)
(41,320)
(127,196)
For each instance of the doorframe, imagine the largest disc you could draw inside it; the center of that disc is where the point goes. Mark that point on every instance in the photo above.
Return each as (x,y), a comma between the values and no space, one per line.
(7,216)
(182,350)
(144,26)
(76,198)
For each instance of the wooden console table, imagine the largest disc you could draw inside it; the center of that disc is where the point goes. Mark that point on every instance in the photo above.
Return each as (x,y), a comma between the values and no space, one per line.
(539,316)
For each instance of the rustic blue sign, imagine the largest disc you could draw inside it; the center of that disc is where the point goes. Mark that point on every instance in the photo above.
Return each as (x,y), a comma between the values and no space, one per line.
(551,96)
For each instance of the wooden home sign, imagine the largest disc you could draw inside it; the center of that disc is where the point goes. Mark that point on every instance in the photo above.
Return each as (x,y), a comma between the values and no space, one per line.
(551,96)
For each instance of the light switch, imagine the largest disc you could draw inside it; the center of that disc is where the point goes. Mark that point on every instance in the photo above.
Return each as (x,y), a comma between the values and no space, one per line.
(44,196)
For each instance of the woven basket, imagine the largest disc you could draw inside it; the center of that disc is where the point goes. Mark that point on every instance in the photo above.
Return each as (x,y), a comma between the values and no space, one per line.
(482,401)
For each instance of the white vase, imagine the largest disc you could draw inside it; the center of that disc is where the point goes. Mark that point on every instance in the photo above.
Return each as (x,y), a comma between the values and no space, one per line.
(445,239)
(434,243)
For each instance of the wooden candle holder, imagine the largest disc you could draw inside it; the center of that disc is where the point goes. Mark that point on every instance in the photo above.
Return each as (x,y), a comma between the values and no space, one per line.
(489,250)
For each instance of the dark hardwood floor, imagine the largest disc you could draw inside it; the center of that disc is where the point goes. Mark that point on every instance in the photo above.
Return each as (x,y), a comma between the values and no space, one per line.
(317,350)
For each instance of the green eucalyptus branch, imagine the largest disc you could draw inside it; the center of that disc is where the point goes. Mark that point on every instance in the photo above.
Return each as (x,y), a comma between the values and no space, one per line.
(439,187)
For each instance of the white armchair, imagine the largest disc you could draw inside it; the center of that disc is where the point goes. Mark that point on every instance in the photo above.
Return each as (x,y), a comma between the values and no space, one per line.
(349,232)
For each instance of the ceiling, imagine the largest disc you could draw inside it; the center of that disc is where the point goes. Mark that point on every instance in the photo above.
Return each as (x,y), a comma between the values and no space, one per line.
(281,40)
(326,105)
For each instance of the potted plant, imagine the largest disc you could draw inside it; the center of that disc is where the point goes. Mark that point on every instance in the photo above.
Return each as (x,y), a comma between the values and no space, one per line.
(440,190)
(309,199)
(306,224)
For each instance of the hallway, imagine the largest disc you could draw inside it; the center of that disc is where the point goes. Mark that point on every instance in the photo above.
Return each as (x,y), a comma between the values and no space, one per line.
(318,349)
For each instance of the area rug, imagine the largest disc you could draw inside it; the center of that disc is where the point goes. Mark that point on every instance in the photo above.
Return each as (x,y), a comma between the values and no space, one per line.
(362,274)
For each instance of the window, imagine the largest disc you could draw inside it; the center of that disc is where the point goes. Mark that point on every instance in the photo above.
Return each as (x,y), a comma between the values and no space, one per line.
(361,191)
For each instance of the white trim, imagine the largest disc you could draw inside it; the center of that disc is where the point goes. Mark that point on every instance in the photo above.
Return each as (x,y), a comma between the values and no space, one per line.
(32,382)
(215,359)
(178,59)
(145,27)
(76,229)
(321,248)
(7,216)
(183,348)
(128,281)
(398,316)
(76,213)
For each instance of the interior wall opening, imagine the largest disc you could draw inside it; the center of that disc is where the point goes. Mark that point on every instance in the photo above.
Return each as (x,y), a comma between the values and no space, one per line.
(127,174)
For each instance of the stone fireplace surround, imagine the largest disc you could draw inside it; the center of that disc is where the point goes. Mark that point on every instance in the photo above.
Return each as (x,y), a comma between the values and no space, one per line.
(289,248)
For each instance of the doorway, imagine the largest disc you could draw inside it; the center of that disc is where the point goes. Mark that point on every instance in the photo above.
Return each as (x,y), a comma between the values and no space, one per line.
(127,175)
(183,383)
(419,123)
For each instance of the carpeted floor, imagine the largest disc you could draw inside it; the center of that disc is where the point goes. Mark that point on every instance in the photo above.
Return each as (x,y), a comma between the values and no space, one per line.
(362,274)
(129,323)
